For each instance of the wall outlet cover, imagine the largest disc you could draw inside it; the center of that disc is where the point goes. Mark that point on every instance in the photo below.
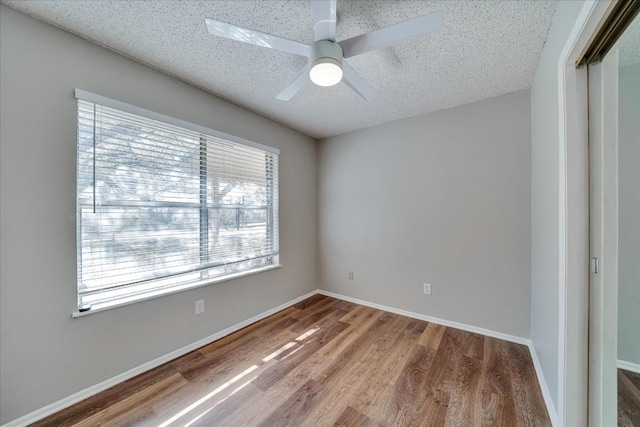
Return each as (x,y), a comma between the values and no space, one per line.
(427,289)
(200,306)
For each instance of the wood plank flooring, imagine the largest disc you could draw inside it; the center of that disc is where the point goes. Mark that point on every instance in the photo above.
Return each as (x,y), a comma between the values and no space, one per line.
(327,362)
(628,399)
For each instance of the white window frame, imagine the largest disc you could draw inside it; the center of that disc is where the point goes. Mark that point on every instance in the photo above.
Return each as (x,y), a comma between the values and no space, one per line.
(159,287)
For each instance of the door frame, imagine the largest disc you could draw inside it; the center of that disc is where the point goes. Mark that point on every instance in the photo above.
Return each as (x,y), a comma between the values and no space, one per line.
(586,393)
(573,362)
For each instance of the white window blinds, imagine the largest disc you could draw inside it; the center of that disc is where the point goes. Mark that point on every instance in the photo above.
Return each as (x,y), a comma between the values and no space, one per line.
(162,207)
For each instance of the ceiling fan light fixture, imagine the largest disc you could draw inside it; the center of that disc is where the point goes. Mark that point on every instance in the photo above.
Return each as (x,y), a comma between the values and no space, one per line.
(325,58)
(326,72)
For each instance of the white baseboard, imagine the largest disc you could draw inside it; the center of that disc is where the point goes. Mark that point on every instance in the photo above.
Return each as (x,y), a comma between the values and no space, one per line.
(95,389)
(450,323)
(628,366)
(551,409)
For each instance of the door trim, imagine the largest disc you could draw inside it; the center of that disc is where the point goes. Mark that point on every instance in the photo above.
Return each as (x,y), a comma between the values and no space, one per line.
(574,220)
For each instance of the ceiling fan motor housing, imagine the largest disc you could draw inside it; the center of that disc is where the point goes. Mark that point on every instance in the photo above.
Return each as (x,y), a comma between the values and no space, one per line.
(326,49)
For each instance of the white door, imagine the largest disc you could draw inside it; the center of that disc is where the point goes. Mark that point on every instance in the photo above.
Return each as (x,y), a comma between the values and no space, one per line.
(603,113)
(614,223)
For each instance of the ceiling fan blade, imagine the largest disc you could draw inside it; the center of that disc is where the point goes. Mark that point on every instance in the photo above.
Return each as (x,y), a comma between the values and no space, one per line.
(294,87)
(393,34)
(247,35)
(324,19)
(357,83)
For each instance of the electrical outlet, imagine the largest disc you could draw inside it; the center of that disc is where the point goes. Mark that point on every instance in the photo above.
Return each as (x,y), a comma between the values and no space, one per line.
(426,288)
(350,275)
(200,306)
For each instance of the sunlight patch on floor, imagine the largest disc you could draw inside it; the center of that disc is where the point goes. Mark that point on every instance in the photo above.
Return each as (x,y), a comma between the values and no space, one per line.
(208,396)
(219,402)
(278,351)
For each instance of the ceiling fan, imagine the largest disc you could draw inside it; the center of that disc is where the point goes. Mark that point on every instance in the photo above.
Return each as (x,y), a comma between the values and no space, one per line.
(326,65)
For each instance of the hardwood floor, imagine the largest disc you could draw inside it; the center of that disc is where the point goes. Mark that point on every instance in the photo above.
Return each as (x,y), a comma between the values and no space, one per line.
(326,362)
(628,399)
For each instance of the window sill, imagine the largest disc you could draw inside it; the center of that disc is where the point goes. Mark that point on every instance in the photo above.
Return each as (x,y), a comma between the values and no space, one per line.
(163,292)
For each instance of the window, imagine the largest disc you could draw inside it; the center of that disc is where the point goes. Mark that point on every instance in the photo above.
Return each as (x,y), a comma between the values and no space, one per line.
(164,205)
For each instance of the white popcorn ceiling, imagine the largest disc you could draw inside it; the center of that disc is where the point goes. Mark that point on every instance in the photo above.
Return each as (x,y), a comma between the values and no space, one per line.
(486,49)
(630,48)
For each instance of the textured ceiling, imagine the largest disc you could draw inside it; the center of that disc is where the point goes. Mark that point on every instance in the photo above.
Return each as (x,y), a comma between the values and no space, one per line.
(630,48)
(487,48)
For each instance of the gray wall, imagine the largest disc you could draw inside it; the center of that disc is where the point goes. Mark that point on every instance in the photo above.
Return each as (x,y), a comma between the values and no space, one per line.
(45,355)
(442,198)
(629,214)
(545,205)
